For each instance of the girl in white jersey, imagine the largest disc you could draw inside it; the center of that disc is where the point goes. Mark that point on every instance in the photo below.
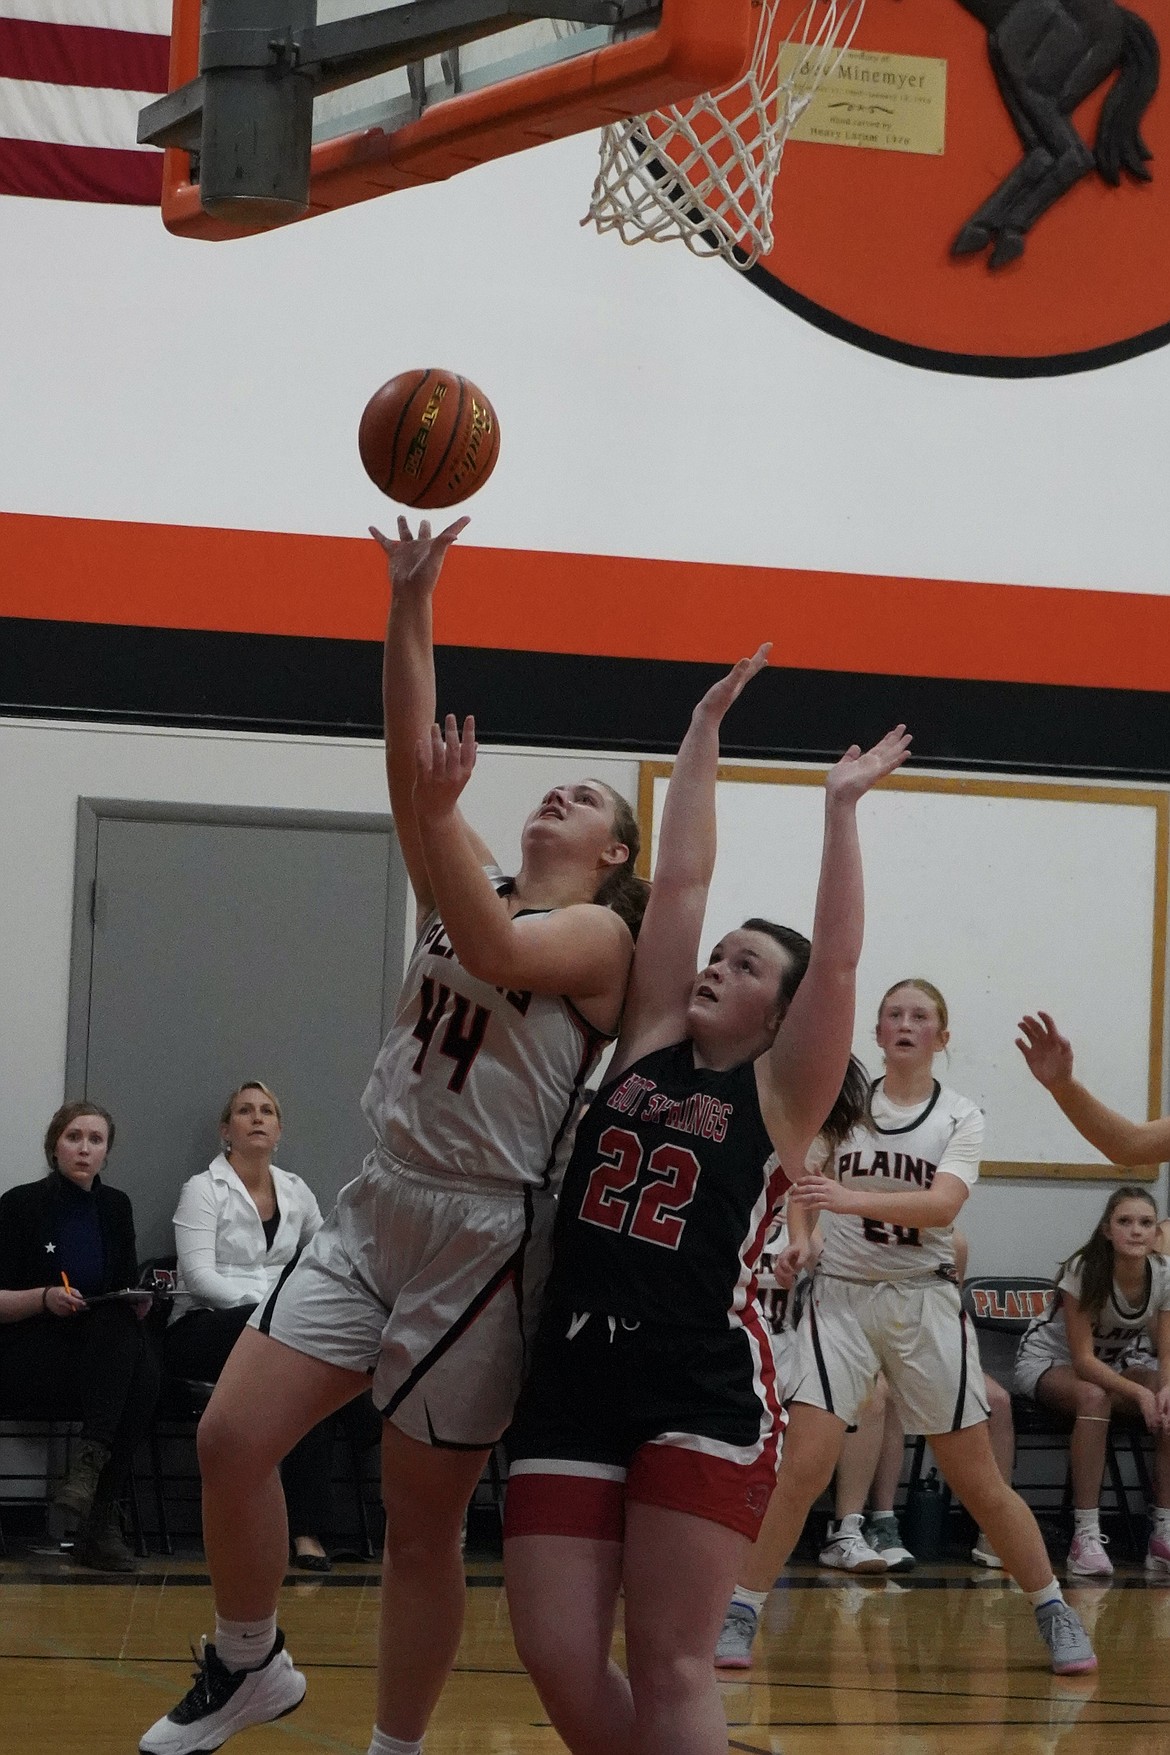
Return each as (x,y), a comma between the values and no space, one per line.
(885,1298)
(1108,1345)
(1104,1347)
(424,1277)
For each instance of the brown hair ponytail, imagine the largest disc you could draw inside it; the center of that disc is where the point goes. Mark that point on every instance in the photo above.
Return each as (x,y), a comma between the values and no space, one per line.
(622,889)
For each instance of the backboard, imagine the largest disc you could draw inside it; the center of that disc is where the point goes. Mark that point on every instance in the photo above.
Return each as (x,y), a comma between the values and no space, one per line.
(540,79)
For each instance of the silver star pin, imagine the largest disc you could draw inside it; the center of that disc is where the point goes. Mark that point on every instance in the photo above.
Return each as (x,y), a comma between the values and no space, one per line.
(50,1249)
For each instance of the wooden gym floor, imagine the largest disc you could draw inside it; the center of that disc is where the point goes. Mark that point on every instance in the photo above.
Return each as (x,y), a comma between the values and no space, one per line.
(944,1662)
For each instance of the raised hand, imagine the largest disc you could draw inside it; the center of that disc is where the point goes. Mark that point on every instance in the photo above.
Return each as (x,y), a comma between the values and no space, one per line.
(417,561)
(729,688)
(858,770)
(444,763)
(1049,1054)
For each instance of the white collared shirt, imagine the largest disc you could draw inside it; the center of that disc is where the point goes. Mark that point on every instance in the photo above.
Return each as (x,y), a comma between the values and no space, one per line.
(224,1259)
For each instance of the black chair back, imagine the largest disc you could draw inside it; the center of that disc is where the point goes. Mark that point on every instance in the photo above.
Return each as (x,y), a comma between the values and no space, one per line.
(1001,1307)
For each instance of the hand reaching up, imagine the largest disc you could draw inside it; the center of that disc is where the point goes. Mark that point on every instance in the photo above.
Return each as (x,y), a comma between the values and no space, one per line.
(858,770)
(1049,1054)
(444,763)
(721,695)
(417,561)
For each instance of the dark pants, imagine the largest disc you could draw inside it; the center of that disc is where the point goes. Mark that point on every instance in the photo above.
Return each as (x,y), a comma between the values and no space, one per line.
(100,1368)
(197,1347)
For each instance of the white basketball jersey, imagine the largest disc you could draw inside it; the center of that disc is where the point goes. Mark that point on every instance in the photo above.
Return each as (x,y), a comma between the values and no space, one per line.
(475,1082)
(901,1150)
(1118,1329)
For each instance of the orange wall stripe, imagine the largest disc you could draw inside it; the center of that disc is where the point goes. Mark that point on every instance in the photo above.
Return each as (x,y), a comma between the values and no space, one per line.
(241,581)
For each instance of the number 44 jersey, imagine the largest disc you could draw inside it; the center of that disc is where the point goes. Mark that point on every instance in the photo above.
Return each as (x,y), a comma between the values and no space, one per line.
(668,1198)
(900,1151)
(477,1083)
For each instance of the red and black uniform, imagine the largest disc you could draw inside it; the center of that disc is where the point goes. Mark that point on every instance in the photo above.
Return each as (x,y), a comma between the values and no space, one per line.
(652,1375)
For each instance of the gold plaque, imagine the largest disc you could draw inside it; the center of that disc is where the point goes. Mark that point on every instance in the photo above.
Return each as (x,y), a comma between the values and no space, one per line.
(896,103)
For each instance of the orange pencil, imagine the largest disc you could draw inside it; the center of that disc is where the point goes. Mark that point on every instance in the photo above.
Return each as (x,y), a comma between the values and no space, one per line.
(65,1281)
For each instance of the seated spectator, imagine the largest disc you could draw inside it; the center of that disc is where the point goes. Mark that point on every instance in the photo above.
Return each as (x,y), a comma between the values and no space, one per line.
(239,1227)
(64,1241)
(1104,1348)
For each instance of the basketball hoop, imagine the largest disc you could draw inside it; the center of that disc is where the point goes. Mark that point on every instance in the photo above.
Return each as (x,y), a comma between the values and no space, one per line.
(706,172)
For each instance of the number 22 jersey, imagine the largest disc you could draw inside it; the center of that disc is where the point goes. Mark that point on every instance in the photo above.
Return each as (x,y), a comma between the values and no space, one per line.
(900,1150)
(669,1196)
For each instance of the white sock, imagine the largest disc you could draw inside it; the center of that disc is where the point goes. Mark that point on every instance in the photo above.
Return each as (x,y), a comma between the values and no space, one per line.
(750,1599)
(851,1525)
(1051,1593)
(384,1744)
(1087,1523)
(244,1645)
(1161,1516)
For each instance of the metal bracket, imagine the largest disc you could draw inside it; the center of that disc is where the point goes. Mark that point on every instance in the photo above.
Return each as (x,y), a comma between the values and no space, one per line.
(332,55)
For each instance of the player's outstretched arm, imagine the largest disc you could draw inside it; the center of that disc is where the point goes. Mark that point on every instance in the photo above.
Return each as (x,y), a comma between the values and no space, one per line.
(667,952)
(408,676)
(1049,1059)
(582,951)
(801,1074)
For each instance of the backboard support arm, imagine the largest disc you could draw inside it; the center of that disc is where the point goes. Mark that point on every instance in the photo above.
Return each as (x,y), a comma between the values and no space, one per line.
(248,116)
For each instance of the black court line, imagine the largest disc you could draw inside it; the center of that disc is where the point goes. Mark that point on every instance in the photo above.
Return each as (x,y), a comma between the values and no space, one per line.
(898,1690)
(51,1657)
(203,1580)
(495,1581)
(836,1688)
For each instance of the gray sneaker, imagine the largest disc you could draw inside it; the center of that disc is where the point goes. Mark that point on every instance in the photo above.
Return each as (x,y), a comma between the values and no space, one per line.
(734,1650)
(885,1538)
(1061,1630)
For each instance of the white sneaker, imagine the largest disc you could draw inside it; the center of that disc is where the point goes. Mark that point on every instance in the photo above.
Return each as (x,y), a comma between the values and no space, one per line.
(224,1701)
(846,1550)
(983,1554)
(734,1648)
(1087,1557)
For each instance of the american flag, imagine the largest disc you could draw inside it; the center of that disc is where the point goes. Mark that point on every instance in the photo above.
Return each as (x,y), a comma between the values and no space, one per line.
(73,76)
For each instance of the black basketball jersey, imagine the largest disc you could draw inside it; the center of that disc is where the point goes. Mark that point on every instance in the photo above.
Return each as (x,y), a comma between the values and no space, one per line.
(668,1197)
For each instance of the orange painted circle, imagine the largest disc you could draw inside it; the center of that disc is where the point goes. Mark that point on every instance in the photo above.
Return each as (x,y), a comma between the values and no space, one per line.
(864,236)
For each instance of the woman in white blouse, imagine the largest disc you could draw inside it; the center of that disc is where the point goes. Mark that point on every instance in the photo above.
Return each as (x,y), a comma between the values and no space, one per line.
(239,1227)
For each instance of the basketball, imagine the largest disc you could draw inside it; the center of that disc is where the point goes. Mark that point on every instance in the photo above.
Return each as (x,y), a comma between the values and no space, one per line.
(428,438)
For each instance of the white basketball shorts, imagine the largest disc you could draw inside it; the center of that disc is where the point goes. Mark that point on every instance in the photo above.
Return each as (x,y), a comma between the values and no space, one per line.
(430,1288)
(916,1332)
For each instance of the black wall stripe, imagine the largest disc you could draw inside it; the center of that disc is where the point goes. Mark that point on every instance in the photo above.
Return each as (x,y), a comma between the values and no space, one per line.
(267,682)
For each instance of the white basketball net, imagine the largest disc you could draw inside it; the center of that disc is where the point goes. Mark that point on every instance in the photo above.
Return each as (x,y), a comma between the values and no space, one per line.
(706,173)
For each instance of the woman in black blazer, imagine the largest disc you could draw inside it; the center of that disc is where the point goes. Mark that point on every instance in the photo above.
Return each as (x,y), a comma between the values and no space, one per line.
(64,1240)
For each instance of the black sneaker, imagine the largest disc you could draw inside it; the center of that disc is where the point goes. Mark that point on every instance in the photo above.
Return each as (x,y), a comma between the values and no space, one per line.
(224,1701)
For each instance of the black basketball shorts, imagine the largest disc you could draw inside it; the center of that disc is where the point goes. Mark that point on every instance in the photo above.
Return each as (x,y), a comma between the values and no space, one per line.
(615,1411)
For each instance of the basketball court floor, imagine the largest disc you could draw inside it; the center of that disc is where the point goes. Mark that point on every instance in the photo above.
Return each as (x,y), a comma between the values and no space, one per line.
(941,1663)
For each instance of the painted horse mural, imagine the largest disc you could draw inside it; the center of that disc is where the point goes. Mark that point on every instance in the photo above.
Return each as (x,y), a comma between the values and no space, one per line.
(1048,56)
